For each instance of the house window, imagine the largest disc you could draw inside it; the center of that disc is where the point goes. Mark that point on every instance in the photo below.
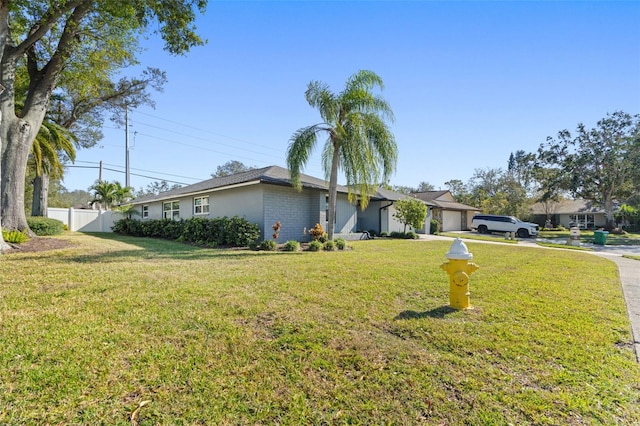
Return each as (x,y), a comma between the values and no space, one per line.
(583,221)
(201,205)
(171,210)
(145,212)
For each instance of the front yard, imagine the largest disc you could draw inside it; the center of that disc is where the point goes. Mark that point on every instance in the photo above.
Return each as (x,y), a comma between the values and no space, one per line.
(92,332)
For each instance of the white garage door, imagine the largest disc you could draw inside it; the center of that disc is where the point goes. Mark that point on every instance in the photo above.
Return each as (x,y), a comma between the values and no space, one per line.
(452,221)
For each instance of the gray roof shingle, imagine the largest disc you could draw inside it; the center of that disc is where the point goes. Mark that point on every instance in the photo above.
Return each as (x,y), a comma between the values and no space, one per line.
(272,174)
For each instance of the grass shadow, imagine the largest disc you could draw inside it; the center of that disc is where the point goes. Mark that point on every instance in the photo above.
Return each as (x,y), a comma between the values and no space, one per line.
(440,312)
(155,248)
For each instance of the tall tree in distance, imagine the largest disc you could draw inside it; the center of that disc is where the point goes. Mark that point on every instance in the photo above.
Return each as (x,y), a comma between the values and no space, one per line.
(109,193)
(231,168)
(601,164)
(359,142)
(54,38)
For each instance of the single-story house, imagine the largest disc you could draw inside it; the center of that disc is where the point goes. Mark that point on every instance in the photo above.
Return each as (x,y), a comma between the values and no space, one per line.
(265,196)
(453,216)
(582,213)
(379,216)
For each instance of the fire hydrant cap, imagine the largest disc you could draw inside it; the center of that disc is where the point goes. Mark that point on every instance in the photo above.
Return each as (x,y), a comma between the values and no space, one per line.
(459,251)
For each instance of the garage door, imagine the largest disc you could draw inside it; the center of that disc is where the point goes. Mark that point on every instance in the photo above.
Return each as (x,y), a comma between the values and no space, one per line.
(452,221)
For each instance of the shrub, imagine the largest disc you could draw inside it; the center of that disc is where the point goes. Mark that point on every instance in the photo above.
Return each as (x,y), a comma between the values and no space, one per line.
(329,246)
(315,245)
(372,233)
(222,231)
(15,236)
(42,226)
(341,244)
(404,235)
(268,245)
(434,226)
(291,245)
(317,232)
(383,234)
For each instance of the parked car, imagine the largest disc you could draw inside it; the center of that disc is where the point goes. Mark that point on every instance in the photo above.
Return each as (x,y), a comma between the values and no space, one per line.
(487,223)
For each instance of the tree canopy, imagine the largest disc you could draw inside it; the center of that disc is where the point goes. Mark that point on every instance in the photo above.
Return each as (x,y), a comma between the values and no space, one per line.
(230,168)
(601,164)
(70,47)
(359,142)
(410,211)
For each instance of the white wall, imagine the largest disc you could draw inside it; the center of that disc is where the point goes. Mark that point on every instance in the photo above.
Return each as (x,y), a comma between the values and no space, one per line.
(84,220)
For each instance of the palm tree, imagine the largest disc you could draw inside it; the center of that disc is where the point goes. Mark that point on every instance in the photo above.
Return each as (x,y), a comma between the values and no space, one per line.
(358,140)
(51,142)
(108,193)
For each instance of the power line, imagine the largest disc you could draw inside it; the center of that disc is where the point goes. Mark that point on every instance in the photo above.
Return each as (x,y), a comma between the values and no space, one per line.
(133,174)
(141,170)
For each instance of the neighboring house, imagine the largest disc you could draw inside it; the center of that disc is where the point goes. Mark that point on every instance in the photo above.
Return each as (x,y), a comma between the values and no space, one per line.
(262,196)
(379,214)
(582,213)
(452,216)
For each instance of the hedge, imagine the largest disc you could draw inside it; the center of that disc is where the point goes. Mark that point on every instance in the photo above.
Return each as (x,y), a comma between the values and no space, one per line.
(222,231)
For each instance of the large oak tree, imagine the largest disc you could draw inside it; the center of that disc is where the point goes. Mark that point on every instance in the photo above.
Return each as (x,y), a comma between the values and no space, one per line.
(58,39)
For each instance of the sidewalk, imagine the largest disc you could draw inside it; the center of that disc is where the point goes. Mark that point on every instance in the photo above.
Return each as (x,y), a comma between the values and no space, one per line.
(629,270)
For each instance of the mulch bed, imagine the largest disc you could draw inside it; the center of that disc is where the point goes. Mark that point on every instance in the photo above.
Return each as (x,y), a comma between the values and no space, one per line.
(37,244)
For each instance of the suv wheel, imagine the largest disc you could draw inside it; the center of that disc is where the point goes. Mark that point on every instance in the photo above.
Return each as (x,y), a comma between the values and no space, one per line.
(482,229)
(523,233)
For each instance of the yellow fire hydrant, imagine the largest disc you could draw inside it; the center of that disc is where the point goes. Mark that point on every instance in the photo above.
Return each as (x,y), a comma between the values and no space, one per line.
(459,268)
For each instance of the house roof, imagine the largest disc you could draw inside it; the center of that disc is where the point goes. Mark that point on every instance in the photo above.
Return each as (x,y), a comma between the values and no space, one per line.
(387,194)
(567,207)
(442,199)
(273,175)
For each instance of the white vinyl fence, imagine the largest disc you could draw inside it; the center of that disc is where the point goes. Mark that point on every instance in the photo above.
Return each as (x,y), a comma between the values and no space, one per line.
(84,220)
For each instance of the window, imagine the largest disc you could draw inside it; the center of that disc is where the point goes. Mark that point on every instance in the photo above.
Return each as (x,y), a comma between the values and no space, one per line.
(583,221)
(145,212)
(171,210)
(201,205)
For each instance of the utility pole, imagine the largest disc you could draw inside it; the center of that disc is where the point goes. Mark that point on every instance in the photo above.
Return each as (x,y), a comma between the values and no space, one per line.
(100,172)
(126,146)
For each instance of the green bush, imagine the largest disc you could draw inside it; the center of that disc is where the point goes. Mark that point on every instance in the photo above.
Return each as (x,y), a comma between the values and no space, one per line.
(315,246)
(329,246)
(268,245)
(222,231)
(434,226)
(404,235)
(15,236)
(383,234)
(42,226)
(291,245)
(341,244)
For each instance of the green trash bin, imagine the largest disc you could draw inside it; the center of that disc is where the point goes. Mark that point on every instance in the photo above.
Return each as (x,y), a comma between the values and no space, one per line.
(600,237)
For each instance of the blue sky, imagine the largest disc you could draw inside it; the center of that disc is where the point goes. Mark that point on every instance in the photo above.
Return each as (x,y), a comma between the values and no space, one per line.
(469,83)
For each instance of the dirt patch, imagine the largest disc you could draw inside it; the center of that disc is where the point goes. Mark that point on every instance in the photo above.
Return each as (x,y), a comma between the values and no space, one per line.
(38,244)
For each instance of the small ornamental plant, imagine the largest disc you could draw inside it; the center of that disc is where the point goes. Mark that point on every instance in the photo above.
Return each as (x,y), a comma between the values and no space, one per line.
(268,245)
(315,245)
(317,232)
(291,245)
(276,230)
(329,246)
(340,243)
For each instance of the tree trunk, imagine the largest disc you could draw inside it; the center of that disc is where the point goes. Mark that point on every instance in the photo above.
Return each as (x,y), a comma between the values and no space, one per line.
(610,222)
(3,244)
(333,191)
(40,195)
(15,153)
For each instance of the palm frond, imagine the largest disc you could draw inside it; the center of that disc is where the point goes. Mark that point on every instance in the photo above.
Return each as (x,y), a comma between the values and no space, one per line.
(301,145)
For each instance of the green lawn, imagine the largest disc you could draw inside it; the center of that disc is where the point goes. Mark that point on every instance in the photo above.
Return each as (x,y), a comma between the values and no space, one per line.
(356,337)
